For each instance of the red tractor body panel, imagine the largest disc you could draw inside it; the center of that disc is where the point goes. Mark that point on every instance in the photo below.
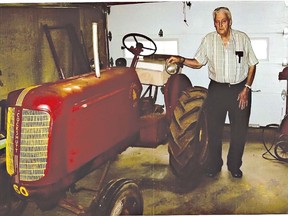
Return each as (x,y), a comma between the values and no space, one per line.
(88,118)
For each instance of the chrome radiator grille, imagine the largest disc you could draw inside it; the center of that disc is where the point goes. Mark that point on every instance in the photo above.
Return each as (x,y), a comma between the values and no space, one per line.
(33,144)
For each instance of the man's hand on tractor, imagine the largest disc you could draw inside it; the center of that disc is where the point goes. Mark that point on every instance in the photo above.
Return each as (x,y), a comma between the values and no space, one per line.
(176,60)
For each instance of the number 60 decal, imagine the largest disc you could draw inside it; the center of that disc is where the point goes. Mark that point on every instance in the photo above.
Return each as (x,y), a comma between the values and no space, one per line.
(21,190)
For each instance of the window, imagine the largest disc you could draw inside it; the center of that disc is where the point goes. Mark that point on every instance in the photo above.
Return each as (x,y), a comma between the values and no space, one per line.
(260,47)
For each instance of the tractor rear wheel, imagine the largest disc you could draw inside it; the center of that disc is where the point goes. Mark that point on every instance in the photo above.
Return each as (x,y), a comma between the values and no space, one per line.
(188,143)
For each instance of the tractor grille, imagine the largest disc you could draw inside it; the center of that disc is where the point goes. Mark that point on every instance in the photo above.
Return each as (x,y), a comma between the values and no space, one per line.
(33,143)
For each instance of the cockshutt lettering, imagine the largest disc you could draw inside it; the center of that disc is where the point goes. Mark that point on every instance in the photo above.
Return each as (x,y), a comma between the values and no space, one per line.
(17,130)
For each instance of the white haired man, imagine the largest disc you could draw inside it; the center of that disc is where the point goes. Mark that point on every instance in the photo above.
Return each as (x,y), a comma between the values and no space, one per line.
(231,69)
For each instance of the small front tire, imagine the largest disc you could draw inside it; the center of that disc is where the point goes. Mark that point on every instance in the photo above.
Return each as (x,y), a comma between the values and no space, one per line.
(119,197)
(10,204)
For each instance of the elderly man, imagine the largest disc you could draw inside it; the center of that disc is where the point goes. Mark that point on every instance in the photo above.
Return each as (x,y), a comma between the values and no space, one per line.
(232,66)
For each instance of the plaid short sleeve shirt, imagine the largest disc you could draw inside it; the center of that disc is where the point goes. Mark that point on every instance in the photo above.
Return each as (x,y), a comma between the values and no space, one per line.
(227,64)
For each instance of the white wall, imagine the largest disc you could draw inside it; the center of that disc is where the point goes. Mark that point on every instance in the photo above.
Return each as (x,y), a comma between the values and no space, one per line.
(259,19)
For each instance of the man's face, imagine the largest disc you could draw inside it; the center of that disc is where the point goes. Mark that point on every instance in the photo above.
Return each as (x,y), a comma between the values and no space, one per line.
(222,24)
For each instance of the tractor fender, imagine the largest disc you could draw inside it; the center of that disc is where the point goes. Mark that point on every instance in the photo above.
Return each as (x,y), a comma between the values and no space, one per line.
(173,88)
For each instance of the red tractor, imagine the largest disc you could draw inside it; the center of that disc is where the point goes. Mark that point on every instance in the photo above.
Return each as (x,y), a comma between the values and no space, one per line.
(59,132)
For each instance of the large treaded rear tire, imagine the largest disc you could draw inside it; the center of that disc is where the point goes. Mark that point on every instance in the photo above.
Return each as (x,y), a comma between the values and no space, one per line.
(188,143)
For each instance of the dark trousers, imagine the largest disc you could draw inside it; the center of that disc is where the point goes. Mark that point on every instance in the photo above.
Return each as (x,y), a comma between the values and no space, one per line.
(222,99)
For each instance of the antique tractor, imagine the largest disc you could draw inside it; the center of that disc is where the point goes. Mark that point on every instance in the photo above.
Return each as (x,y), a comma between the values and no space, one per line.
(59,132)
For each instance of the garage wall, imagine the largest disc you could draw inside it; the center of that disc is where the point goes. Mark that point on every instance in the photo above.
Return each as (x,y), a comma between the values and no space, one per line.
(259,19)
(25,56)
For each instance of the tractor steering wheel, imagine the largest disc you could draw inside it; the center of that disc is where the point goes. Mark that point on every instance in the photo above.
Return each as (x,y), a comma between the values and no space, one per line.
(141,48)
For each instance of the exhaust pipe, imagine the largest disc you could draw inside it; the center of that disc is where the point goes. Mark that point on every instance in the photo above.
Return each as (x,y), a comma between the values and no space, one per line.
(95,49)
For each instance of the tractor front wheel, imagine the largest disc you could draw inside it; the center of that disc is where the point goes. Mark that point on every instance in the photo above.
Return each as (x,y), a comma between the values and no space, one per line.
(119,197)
(10,204)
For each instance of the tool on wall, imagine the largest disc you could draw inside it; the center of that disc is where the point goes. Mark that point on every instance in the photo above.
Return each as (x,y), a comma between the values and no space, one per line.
(188,4)
(80,58)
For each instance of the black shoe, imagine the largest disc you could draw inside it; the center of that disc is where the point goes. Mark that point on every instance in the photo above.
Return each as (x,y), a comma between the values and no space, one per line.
(236,173)
(212,172)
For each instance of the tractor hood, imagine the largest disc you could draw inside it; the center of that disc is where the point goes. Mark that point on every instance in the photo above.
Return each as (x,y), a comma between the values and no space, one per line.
(72,91)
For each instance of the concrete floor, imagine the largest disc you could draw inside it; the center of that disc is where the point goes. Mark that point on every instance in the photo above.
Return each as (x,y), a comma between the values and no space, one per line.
(262,190)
